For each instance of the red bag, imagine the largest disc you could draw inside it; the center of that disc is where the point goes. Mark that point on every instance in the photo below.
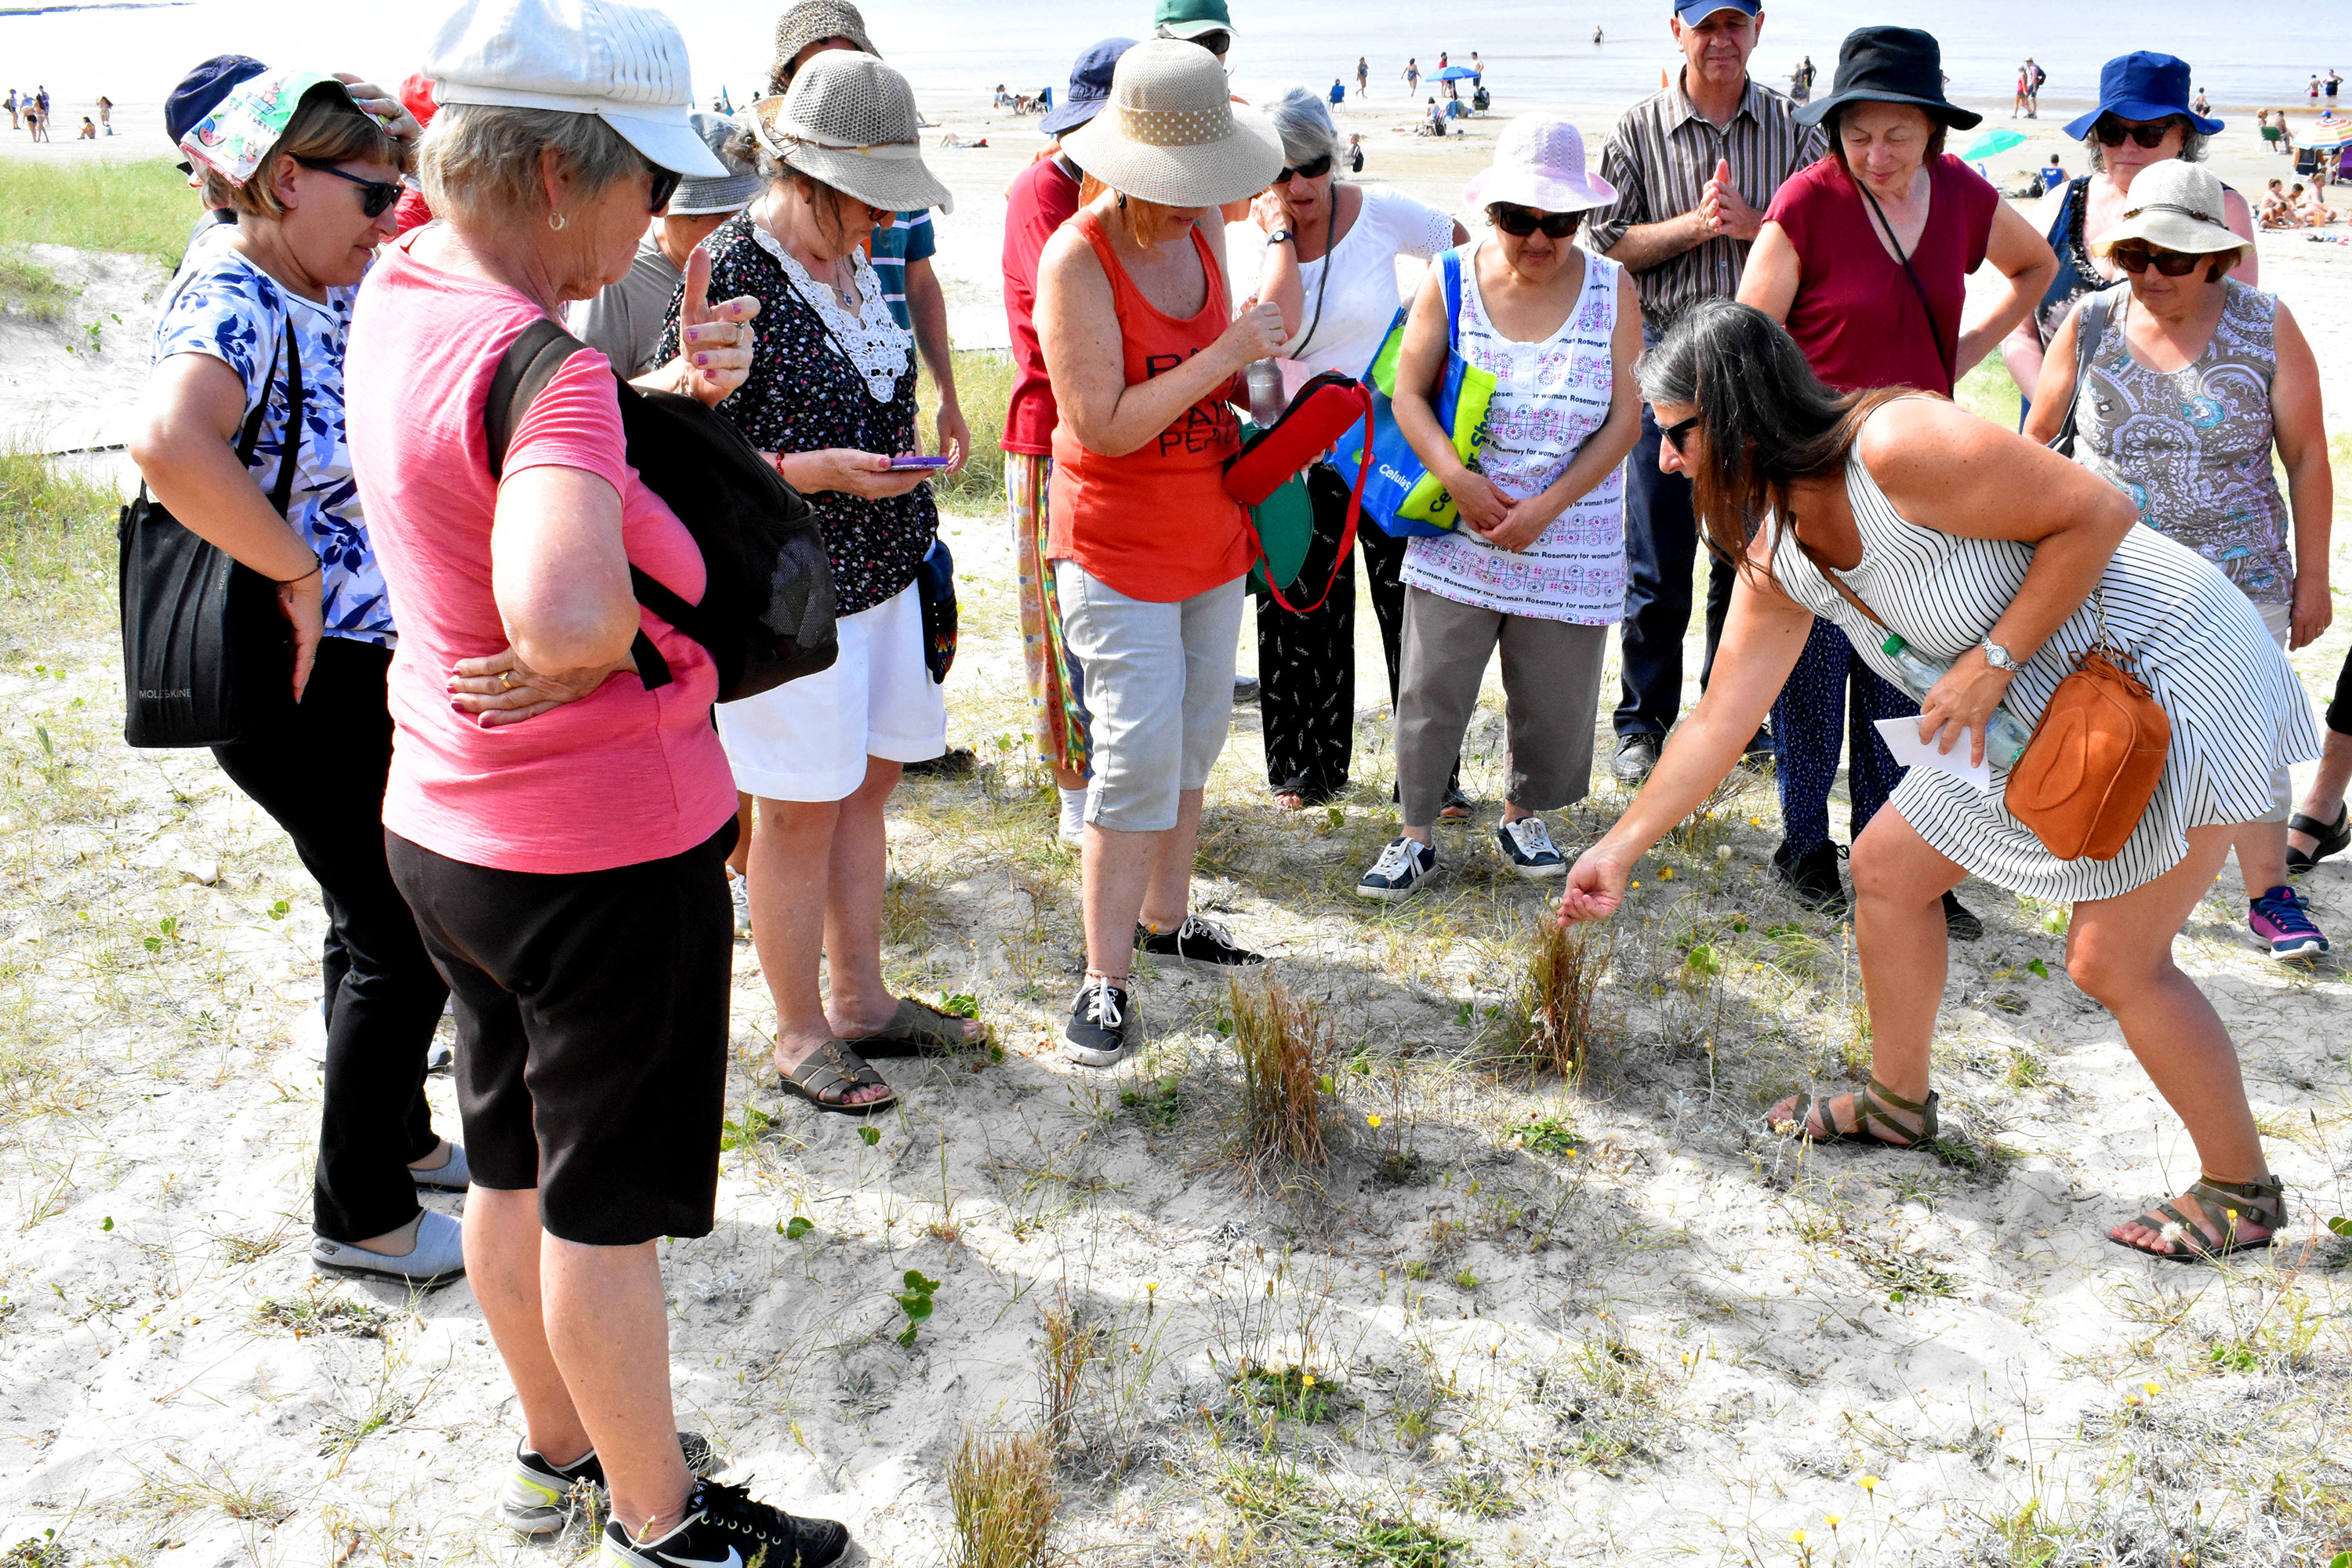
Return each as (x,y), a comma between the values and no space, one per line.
(1327,407)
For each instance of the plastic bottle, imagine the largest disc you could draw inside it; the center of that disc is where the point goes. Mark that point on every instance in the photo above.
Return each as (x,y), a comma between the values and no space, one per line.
(1266,400)
(2005,738)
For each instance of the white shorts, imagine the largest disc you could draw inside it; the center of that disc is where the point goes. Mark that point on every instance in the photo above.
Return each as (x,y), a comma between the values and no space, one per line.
(2279,621)
(808,740)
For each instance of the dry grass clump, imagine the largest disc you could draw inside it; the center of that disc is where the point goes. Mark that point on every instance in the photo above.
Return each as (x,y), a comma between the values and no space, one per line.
(1549,1023)
(1288,1049)
(1002,1496)
(1070,1345)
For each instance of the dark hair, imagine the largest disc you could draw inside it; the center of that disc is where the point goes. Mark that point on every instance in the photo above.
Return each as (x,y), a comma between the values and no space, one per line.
(1768,419)
(1937,132)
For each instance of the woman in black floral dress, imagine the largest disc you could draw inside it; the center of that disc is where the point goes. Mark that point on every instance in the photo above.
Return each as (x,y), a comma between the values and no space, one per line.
(832,395)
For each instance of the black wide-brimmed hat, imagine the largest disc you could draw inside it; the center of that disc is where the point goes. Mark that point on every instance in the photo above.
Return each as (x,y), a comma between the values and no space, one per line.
(1890,64)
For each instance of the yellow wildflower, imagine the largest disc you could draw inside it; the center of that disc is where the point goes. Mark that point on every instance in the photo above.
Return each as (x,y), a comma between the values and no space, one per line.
(1372,1121)
(1867,1483)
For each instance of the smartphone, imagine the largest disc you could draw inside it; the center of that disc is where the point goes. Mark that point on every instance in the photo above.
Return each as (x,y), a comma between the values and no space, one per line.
(919,462)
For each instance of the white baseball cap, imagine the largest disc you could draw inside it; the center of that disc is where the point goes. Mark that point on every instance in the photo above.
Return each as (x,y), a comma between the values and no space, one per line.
(624,64)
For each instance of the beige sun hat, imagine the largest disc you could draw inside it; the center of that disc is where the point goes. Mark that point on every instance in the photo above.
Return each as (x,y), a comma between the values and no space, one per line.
(2173,206)
(1171,134)
(850,121)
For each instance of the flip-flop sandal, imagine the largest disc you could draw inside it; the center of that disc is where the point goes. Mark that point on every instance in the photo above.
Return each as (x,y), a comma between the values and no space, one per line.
(1456,807)
(918,1029)
(835,1067)
(2332,839)
(2264,1204)
(1870,1105)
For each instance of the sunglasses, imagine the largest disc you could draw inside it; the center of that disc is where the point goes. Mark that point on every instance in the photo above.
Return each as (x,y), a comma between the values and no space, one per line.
(376,196)
(1216,43)
(2137,258)
(1314,171)
(664,186)
(1521,222)
(2112,132)
(1673,434)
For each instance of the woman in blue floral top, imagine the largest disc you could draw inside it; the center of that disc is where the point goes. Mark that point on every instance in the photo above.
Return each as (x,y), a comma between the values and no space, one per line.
(310,166)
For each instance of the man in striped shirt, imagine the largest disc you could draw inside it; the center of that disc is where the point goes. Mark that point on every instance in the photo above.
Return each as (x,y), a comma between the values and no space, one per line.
(1695,165)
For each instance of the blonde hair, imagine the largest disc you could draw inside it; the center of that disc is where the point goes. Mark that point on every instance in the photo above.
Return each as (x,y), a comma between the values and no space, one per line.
(479,162)
(327,128)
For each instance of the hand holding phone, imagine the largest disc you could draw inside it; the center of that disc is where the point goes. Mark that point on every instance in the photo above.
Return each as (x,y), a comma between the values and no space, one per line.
(915,462)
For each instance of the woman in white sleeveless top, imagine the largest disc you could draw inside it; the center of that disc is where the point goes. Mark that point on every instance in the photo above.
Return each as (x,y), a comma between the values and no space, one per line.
(1980,548)
(1536,566)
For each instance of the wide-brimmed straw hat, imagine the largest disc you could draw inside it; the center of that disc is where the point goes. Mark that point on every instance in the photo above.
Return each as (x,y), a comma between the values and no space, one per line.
(849,120)
(1540,163)
(1172,133)
(624,64)
(2173,206)
(1890,64)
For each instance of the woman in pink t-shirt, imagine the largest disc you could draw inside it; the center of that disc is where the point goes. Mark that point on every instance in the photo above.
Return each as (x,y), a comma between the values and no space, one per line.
(558,829)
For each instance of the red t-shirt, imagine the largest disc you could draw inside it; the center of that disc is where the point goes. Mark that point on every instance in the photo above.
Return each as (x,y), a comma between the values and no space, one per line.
(1041,199)
(625,774)
(1857,316)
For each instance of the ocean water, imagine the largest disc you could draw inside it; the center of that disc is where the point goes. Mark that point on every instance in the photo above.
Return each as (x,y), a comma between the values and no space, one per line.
(1535,51)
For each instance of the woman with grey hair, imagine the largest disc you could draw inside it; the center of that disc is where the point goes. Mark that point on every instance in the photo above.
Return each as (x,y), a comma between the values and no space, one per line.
(1330,263)
(557,828)
(2143,116)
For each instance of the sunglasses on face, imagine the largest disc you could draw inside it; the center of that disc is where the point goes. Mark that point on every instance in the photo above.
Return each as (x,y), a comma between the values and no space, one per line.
(376,196)
(664,186)
(2137,258)
(1521,222)
(1217,43)
(1673,434)
(1314,171)
(2111,131)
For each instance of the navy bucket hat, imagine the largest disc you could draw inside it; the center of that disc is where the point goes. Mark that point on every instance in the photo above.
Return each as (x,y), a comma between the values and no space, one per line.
(2143,86)
(1089,87)
(201,90)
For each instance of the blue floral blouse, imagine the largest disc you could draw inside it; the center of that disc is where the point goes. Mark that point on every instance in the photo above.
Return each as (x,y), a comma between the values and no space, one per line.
(228,307)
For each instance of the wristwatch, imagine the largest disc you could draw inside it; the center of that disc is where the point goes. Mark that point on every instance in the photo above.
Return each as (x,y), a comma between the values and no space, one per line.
(1998,656)
(1280,237)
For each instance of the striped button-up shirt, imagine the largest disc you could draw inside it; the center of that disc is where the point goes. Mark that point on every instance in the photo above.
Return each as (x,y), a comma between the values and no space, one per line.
(1660,158)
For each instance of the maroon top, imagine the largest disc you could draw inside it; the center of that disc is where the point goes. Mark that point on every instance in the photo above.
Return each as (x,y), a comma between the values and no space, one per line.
(1041,199)
(1855,315)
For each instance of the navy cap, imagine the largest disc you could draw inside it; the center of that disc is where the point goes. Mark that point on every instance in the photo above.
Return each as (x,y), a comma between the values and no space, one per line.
(201,91)
(2143,86)
(1691,13)
(1089,87)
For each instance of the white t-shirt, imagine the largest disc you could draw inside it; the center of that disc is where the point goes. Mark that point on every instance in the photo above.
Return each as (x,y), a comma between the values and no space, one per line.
(1355,286)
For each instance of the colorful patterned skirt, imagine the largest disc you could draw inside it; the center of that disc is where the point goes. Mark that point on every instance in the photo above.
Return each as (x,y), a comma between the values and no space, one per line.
(1057,706)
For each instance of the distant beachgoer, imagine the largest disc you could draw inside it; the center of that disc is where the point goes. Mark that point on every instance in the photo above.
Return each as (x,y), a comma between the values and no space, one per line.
(2314,90)
(1442,65)
(2198,105)
(1437,121)
(1477,67)
(106,114)
(1355,155)
(14,122)
(40,125)
(1338,90)
(2331,84)
(1412,74)
(2032,92)
(2024,82)
(2054,173)
(1596,34)
(2316,213)
(2278,212)
(1363,76)
(89,132)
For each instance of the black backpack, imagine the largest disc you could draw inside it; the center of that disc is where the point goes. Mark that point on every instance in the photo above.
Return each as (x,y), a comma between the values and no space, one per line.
(767,609)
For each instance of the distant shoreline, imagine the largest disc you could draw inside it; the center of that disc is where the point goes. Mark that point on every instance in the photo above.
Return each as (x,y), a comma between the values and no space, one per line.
(94,6)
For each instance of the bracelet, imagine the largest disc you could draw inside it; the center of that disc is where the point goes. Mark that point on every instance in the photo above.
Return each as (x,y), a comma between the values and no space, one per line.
(317,566)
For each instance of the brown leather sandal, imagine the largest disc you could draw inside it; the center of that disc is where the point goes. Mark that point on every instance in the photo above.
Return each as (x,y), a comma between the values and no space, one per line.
(2223,1203)
(1870,1104)
(919,1029)
(835,1069)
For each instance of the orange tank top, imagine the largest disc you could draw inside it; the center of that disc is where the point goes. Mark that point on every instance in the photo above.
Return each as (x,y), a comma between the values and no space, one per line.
(1155,524)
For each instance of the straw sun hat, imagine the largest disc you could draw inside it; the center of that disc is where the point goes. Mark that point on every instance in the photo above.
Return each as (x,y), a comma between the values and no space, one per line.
(849,121)
(1171,133)
(2173,206)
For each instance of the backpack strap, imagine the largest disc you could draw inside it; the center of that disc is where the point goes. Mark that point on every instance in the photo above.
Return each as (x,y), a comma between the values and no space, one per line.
(530,362)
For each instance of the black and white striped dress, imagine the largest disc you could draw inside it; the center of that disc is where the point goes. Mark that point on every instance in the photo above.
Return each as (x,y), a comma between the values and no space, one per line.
(2237,709)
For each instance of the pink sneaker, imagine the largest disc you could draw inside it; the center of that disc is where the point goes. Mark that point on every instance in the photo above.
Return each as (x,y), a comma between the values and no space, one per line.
(2281,919)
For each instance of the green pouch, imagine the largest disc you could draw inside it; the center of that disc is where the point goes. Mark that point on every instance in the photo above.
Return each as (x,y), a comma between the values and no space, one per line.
(1285,524)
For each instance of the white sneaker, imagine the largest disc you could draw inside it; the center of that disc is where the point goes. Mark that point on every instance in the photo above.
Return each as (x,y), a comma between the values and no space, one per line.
(1528,849)
(739,894)
(1400,871)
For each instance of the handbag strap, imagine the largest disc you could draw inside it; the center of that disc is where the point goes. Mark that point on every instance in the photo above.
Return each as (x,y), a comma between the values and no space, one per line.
(1346,530)
(2090,326)
(1943,355)
(281,494)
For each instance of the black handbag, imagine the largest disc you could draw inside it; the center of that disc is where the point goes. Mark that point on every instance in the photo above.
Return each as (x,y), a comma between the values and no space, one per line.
(208,656)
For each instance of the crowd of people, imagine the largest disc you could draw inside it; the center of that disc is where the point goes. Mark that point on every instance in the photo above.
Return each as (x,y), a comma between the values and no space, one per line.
(411,370)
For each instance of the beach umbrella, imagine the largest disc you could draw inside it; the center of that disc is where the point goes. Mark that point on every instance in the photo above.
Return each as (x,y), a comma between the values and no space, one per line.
(1452,73)
(2329,134)
(1991,144)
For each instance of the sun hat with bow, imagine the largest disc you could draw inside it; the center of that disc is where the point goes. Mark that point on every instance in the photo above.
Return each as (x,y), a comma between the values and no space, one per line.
(849,121)
(1890,64)
(2173,206)
(1540,163)
(2143,86)
(1089,87)
(624,64)
(1171,134)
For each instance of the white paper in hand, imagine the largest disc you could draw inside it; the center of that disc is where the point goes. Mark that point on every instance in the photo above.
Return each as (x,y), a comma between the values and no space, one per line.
(1902,737)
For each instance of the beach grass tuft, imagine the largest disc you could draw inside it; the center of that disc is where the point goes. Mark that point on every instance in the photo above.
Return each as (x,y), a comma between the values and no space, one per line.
(1288,1049)
(57,538)
(29,291)
(1002,1502)
(1549,1025)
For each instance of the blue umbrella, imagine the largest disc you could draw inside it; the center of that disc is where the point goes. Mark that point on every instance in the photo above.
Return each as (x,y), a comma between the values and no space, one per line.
(1452,73)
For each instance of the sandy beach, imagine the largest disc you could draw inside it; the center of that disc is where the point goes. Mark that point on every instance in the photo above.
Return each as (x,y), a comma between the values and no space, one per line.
(1517,1319)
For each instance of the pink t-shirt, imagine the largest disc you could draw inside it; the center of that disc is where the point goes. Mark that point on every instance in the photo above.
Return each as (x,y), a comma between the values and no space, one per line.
(621,776)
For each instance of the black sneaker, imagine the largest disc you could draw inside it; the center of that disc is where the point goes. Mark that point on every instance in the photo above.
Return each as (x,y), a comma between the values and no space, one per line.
(540,1499)
(1103,1028)
(724,1528)
(1813,877)
(1245,691)
(1636,755)
(1959,923)
(1196,942)
(1400,871)
(1528,848)
(955,763)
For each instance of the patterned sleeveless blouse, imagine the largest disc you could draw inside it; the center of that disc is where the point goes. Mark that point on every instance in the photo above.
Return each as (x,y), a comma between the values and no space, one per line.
(2192,447)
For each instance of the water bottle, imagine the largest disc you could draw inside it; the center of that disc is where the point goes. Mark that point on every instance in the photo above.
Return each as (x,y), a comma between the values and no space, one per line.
(1266,400)
(2005,738)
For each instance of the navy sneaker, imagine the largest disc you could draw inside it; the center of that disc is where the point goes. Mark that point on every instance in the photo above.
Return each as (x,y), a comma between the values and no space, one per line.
(1528,849)
(1196,942)
(1400,871)
(1103,1030)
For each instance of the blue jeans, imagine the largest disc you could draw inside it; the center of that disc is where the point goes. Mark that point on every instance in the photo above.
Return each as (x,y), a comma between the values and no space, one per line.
(1661,548)
(1830,682)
